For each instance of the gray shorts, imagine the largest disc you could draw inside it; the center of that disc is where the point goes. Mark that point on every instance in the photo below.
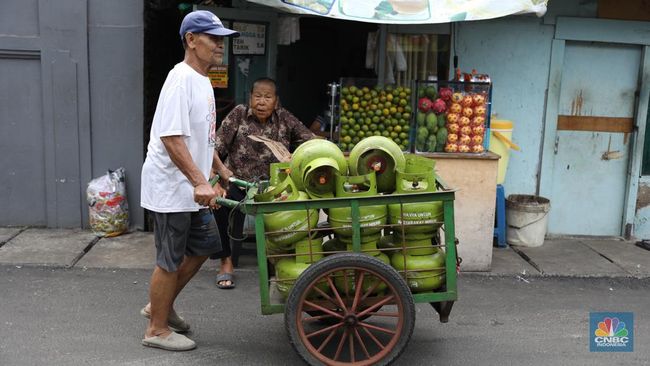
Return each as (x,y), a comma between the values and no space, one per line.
(180,234)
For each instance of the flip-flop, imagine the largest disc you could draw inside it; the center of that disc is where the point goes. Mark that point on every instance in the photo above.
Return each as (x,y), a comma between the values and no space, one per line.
(223,277)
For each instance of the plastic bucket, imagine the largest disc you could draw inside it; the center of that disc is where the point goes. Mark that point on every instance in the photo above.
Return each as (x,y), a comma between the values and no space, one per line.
(527,219)
(500,135)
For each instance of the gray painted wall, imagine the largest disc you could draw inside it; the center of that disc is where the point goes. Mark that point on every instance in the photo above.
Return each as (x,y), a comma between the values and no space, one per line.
(115,54)
(70,106)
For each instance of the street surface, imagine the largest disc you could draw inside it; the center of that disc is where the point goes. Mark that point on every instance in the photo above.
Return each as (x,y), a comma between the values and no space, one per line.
(91,317)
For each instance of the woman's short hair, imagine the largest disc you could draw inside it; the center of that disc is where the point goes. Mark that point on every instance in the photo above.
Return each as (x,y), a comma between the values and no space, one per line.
(265,80)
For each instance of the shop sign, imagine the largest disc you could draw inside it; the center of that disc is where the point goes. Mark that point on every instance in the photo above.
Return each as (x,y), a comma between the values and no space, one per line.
(219,76)
(251,40)
(409,11)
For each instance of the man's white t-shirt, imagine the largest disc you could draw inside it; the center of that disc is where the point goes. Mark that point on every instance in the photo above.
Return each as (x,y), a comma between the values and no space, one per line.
(185,108)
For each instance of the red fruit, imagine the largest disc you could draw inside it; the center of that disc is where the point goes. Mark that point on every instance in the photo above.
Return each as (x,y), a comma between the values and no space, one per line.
(451,148)
(463,121)
(467,101)
(478,121)
(479,99)
(463,148)
(439,106)
(466,130)
(457,97)
(477,148)
(480,110)
(455,108)
(477,139)
(453,128)
(445,94)
(424,104)
(464,140)
(467,112)
(452,138)
(478,130)
(452,117)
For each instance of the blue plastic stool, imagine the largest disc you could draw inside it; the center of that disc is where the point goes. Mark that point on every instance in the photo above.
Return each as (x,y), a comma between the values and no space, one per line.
(500,219)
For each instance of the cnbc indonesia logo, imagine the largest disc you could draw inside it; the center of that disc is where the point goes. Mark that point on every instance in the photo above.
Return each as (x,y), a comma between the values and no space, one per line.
(612,333)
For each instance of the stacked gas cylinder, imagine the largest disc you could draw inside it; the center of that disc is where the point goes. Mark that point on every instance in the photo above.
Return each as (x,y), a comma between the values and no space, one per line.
(376,166)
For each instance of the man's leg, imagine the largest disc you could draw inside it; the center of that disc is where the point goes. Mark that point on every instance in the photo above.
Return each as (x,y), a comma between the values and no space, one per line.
(171,231)
(187,270)
(162,292)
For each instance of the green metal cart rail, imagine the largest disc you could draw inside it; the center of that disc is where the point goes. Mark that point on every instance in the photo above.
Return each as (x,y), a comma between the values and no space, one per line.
(359,343)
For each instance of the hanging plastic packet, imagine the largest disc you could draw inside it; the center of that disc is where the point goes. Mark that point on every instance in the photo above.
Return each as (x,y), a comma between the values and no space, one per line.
(107,204)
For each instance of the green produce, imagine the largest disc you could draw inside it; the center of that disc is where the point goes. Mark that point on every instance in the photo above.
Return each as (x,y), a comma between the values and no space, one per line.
(431,92)
(421,137)
(441,120)
(374,111)
(420,117)
(442,134)
(432,121)
(440,146)
(430,145)
(419,145)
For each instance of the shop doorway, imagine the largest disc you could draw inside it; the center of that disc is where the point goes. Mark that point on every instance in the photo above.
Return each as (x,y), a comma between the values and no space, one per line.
(328,50)
(591,135)
(251,58)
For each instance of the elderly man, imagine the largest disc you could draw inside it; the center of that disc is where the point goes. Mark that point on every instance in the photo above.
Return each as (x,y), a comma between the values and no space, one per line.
(250,160)
(175,186)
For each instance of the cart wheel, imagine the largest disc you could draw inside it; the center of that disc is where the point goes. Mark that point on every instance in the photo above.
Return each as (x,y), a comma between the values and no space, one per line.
(356,326)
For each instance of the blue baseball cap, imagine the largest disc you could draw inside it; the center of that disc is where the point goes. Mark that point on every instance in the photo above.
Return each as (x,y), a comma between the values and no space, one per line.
(203,21)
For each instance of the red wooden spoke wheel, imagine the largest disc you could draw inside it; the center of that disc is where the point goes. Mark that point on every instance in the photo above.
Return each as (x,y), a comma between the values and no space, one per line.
(349,309)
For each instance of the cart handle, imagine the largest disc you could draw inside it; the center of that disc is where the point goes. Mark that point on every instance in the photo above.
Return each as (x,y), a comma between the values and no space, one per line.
(225,201)
(236,181)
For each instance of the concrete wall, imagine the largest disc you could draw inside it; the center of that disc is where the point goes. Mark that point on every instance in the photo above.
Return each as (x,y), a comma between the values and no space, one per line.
(515,51)
(642,221)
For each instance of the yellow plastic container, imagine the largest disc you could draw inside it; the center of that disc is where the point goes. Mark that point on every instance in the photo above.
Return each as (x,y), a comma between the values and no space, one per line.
(501,143)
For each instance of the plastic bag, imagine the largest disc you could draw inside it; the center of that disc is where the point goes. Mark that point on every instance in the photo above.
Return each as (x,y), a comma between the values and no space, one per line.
(108,208)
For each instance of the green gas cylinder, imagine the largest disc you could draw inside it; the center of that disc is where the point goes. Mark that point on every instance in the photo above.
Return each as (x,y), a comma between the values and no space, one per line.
(369,248)
(422,219)
(288,269)
(309,250)
(412,246)
(429,270)
(314,165)
(370,217)
(288,226)
(381,155)
(278,172)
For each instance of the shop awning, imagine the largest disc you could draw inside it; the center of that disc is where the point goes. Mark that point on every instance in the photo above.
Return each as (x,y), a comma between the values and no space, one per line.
(409,11)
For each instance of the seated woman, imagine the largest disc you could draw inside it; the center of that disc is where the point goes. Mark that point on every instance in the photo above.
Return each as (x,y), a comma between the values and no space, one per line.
(250,160)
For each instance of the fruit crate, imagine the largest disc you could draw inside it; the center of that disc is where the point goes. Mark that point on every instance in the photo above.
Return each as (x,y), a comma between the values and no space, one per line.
(451,116)
(365,108)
